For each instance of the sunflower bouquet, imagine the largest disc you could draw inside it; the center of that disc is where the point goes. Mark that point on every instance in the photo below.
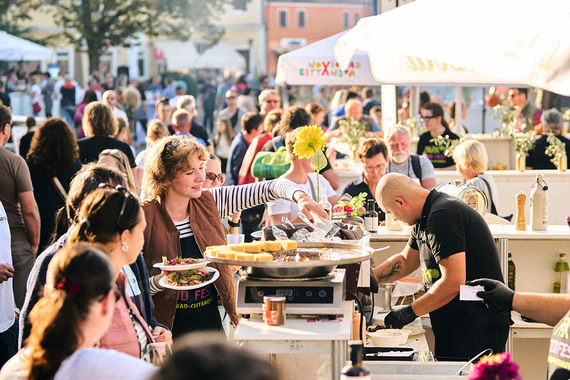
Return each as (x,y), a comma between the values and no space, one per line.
(310,141)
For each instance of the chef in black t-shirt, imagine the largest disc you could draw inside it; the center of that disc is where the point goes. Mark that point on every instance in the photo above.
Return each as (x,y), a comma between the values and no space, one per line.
(452,244)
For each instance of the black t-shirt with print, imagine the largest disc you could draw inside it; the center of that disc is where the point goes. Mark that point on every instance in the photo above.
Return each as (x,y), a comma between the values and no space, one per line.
(449,226)
(559,351)
(435,153)
(196,309)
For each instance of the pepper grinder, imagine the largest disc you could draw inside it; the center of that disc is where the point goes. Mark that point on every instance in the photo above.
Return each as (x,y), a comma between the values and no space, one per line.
(521,221)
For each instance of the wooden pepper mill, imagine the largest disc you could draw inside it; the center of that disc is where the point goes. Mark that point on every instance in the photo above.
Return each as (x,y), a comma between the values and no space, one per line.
(521,221)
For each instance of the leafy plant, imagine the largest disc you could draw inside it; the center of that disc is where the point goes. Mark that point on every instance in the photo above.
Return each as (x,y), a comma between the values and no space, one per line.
(555,149)
(350,207)
(353,130)
(448,143)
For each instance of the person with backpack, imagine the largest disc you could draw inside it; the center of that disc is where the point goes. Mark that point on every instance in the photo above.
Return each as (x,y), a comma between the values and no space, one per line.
(401,161)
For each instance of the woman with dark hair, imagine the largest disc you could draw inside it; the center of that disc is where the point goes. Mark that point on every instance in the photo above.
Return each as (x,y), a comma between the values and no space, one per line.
(433,120)
(100,127)
(74,314)
(89,97)
(112,219)
(53,160)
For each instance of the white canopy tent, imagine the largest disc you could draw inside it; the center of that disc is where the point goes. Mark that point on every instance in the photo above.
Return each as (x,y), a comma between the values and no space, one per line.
(184,55)
(14,48)
(486,42)
(315,64)
(220,56)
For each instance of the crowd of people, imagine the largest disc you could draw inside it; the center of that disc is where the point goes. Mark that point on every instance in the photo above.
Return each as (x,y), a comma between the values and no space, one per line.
(81,198)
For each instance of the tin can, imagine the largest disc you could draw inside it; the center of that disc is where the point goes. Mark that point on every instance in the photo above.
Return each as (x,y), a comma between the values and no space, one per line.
(274,310)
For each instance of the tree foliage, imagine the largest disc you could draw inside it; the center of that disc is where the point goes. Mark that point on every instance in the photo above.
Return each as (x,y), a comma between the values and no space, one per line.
(95,25)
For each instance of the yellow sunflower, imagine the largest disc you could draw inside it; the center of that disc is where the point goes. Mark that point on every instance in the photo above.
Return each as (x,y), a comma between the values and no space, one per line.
(309,139)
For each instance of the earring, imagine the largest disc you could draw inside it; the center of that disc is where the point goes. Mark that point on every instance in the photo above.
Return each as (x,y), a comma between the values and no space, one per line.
(124,247)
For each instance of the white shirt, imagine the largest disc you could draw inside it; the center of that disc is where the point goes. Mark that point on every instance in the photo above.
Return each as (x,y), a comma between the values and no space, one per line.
(283,206)
(86,363)
(6,290)
(35,93)
(120,113)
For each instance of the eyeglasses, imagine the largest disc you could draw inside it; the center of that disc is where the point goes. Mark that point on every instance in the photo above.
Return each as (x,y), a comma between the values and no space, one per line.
(126,194)
(169,148)
(271,101)
(230,97)
(221,178)
(426,118)
(379,168)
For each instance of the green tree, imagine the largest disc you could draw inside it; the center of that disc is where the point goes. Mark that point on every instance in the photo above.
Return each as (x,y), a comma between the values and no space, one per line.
(11,16)
(95,25)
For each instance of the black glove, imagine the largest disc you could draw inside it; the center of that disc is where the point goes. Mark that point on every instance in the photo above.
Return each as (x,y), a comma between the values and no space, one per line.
(496,294)
(396,319)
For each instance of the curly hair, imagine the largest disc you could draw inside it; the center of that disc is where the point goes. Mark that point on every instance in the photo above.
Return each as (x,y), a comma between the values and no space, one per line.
(54,147)
(292,118)
(167,158)
(98,120)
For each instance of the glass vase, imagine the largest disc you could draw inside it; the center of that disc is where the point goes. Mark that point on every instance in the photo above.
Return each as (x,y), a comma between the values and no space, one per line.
(562,162)
(520,161)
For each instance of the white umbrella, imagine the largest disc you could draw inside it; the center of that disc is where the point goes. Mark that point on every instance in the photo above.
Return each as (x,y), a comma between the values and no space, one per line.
(14,48)
(315,64)
(475,42)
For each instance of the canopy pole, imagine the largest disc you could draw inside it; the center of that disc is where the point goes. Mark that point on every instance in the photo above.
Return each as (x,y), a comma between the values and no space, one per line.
(458,111)
(389,106)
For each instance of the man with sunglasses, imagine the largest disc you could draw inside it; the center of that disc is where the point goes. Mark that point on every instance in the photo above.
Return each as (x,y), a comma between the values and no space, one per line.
(529,115)
(232,111)
(433,120)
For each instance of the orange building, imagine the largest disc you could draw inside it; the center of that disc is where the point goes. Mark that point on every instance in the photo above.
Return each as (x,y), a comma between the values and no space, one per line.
(293,24)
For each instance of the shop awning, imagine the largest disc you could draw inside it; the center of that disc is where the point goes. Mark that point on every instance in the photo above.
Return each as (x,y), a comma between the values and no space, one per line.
(14,48)
(220,56)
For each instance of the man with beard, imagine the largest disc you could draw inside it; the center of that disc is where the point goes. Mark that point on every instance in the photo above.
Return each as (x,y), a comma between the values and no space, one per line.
(401,161)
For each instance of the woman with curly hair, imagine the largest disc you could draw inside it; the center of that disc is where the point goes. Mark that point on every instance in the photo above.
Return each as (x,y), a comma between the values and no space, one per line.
(53,160)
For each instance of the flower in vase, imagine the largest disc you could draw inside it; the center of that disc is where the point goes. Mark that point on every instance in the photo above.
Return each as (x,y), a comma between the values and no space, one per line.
(309,140)
(496,367)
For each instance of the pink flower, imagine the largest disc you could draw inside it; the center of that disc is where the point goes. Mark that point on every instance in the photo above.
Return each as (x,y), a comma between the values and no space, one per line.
(348,209)
(496,367)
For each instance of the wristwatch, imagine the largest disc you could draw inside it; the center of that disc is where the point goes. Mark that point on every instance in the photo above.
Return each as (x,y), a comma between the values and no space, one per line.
(234,224)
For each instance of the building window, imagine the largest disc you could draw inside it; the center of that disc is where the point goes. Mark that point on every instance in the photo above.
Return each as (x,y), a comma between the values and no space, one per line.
(239,5)
(301,19)
(283,18)
(345,16)
(356,17)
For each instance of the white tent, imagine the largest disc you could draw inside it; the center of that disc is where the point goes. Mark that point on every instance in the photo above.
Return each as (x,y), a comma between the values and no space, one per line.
(315,64)
(476,42)
(220,56)
(14,48)
(179,55)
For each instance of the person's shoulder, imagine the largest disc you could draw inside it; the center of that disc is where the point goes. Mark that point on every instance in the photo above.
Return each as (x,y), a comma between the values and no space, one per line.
(450,134)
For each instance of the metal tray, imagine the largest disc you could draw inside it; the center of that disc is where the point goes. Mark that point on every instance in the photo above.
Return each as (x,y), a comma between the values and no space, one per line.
(313,268)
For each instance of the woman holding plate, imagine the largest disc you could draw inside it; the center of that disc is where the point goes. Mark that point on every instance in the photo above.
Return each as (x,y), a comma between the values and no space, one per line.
(183,219)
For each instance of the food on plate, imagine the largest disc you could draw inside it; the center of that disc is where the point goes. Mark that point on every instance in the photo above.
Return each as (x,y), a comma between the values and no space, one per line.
(240,247)
(179,261)
(289,245)
(187,278)
(227,254)
(263,257)
(243,256)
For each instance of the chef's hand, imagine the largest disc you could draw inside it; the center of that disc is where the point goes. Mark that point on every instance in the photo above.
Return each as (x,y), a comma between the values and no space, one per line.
(496,293)
(160,334)
(6,272)
(397,319)
(307,205)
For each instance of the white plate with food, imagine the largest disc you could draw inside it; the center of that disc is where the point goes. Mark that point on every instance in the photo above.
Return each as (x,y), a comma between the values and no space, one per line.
(190,279)
(179,264)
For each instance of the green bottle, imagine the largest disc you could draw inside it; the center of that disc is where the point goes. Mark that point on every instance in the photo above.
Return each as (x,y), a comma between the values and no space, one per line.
(562,270)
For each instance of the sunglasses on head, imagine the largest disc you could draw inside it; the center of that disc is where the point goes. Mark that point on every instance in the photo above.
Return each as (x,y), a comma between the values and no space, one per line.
(126,194)
(221,178)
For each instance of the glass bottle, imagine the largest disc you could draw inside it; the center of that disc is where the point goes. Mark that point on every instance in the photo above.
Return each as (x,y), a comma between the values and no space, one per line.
(371,216)
(562,271)
(512,271)
(539,204)
(355,368)
(326,205)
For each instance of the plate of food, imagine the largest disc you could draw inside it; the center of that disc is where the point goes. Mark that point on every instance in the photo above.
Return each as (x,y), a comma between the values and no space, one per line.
(180,263)
(189,279)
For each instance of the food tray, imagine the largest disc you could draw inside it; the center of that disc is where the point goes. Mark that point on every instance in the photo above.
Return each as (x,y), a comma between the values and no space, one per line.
(179,268)
(383,353)
(352,253)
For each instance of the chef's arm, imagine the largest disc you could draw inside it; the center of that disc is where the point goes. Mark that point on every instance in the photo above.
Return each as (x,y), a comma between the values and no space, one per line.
(546,308)
(446,288)
(398,266)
